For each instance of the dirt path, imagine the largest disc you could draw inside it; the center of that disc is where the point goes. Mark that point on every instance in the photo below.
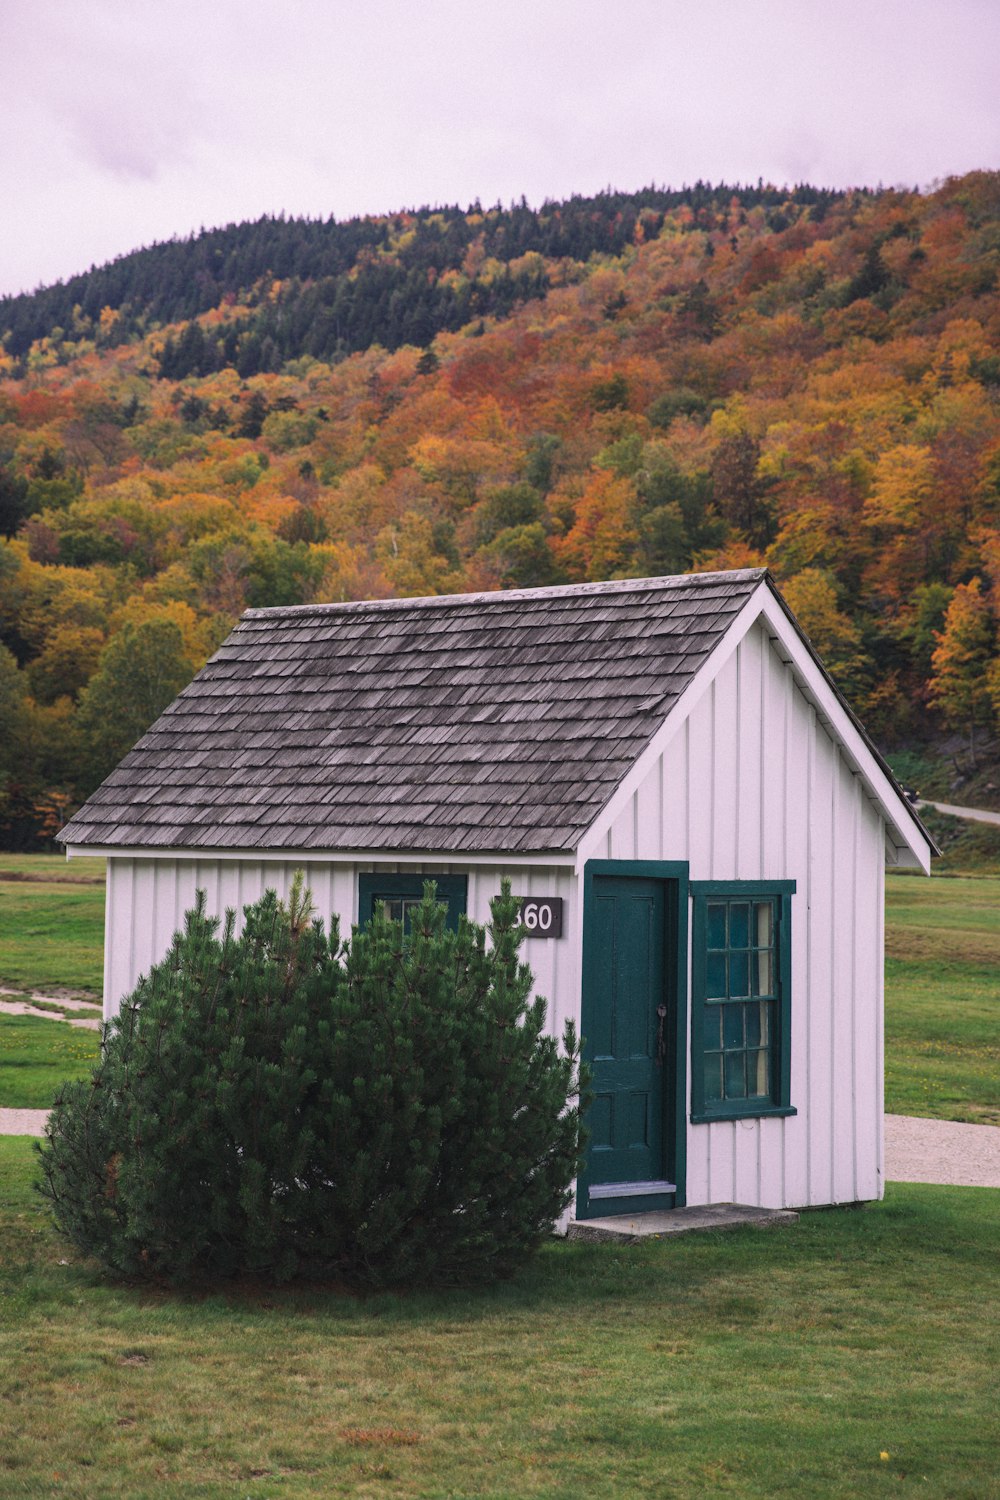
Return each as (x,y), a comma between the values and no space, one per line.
(74,1010)
(23,1121)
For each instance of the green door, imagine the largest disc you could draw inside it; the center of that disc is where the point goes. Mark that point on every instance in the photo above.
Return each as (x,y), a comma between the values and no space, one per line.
(628,1026)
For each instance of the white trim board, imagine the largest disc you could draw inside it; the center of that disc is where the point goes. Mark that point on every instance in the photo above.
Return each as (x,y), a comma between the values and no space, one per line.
(330,856)
(636,774)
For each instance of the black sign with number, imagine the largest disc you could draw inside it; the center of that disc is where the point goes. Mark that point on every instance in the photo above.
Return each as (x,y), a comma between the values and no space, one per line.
(542,916)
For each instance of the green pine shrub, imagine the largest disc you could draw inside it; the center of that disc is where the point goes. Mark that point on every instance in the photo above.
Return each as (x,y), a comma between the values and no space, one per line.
(383,1112)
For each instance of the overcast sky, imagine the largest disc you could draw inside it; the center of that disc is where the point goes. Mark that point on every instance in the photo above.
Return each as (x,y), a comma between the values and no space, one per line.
(128,121)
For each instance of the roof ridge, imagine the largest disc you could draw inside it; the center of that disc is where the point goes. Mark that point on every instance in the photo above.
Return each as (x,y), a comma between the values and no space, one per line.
(496,596)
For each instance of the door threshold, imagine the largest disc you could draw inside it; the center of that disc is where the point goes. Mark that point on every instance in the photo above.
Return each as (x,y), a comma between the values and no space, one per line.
(630,1189)
(630,1228)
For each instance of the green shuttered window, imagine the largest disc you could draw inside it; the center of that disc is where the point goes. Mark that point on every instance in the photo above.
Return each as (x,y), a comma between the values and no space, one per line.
(741,999)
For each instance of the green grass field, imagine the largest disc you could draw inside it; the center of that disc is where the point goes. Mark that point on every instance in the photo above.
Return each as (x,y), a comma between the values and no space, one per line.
(751,1364)
(52,939)
(758,1364)
(942,1004)
(52,867)
(37,1056)
(942,986)
(51,933)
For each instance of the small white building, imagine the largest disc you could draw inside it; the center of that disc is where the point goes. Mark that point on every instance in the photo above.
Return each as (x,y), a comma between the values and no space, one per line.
(662,766)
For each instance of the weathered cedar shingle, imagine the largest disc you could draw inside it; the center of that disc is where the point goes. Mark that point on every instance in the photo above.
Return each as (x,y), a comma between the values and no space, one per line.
(496,722)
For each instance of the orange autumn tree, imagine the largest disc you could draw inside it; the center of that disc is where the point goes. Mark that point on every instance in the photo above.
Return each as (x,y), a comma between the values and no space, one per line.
(602,539)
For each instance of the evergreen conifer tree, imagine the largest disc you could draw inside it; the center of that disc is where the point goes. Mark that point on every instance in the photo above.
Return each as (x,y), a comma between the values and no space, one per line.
(388,1111)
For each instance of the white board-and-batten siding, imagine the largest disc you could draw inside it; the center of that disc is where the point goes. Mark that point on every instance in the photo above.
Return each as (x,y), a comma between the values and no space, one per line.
(752,787)
(148,897)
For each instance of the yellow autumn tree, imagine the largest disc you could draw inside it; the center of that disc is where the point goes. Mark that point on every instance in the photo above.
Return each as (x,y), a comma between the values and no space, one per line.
(812,597)
(410,557)
(964,663)
(900,513)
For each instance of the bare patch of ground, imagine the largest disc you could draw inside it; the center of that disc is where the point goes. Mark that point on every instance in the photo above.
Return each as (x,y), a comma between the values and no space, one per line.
(72,1006)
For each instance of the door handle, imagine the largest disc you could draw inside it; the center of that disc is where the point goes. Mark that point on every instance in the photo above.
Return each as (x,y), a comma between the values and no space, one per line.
(661,1045)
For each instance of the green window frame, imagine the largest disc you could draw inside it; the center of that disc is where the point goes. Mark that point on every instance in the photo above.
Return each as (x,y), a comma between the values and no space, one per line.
(400,893)
(741,956)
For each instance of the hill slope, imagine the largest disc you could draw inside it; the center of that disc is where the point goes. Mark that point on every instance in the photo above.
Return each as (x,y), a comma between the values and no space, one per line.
(342,287)
(665,382)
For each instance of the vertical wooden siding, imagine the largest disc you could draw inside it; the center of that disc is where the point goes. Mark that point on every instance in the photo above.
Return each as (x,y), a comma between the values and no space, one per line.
(147,899)
(753,788)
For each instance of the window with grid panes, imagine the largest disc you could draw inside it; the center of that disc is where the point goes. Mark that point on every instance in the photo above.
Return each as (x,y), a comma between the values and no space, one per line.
(741,1014)
(401,894)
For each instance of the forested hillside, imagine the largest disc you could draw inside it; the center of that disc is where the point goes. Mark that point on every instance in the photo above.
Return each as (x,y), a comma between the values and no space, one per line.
(286,412)
(329,289)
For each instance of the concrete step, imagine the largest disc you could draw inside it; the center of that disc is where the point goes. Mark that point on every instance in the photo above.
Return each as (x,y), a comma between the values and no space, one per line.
(628,1229)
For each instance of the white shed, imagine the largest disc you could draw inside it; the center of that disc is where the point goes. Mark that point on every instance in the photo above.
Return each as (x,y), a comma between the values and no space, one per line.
(664,769)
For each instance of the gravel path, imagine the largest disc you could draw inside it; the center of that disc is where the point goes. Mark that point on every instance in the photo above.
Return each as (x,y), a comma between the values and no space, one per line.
(23,1121)
(975,814)
(944,1151)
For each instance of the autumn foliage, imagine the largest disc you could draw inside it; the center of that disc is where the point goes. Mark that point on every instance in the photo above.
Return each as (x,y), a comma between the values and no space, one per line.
(812,384)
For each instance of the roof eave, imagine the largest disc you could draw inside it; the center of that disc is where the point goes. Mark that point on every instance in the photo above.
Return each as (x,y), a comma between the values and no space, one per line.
(550,858)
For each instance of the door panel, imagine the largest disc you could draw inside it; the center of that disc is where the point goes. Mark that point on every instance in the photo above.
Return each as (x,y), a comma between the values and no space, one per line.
(627,968)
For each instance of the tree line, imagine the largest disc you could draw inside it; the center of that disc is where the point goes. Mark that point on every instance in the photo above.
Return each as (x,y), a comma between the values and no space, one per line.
(365,279)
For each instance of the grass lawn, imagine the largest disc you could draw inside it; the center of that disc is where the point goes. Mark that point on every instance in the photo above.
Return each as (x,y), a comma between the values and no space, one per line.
(38,1055)
(52,867)
(51,937)
(51,933)
(766,1364)
(943,998)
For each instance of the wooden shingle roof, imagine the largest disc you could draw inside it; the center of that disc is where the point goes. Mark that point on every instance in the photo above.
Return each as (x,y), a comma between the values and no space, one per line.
(477,722)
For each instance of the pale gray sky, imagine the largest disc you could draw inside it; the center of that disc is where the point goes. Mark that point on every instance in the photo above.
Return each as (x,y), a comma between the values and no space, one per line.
(128,121)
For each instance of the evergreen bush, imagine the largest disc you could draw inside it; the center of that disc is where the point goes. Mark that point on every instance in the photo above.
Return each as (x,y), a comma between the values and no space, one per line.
(384,1112)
